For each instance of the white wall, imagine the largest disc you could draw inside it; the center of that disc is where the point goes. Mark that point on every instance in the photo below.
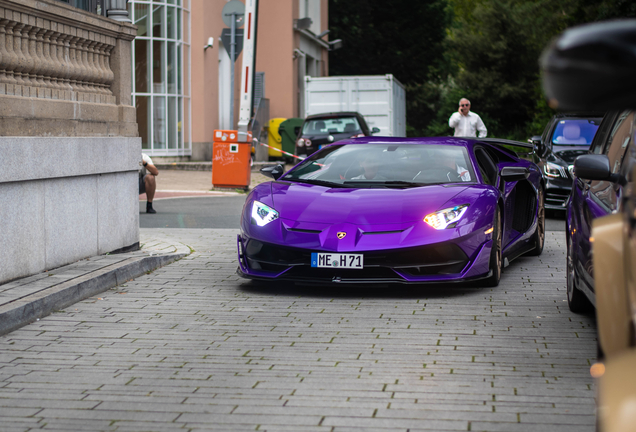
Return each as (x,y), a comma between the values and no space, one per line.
(310,9)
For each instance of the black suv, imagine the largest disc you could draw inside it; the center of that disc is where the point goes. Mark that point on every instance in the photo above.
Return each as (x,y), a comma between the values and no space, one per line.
(566,136)
(322,129)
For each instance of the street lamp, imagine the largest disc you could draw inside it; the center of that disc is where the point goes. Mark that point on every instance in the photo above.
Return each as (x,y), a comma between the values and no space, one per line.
(335,44)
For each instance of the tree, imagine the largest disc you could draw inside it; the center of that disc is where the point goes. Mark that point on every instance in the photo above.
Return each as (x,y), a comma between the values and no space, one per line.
(498,47)
(401,37)
(442,50)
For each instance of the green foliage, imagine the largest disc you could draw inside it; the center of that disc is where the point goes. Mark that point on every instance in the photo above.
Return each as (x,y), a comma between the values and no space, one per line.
(400,37)
(498,50)
(443,50)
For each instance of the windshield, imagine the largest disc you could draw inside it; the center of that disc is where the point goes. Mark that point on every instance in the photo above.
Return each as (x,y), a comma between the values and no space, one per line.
(575,131)
(331,126)
(385,165)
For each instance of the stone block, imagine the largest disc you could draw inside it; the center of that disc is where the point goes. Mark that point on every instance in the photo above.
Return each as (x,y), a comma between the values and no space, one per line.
(127,130)
(88,111)
(118,211)
(71,219)
(127,114)
(13,106)
(22,214)
(87,128)
(66,157)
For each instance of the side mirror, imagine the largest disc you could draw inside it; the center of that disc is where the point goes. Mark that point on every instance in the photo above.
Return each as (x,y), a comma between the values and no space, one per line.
(536,144)
(375,130)
(592,167)
(511,174)
(273,171)
(592,67)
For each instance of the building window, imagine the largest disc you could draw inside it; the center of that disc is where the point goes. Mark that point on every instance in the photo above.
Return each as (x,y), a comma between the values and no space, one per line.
(94,6)
(161,75)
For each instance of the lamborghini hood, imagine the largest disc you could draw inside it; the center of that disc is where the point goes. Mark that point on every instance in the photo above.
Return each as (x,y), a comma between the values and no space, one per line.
(312,203)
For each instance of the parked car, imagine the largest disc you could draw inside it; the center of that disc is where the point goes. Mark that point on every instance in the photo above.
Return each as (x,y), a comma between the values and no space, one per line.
(322,129)
(566,136)
(593,66)
(394,210)
(594,196)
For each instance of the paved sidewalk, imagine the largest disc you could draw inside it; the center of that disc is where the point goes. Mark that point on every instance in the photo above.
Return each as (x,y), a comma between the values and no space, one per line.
(173,183)
(194,347)
(26,300)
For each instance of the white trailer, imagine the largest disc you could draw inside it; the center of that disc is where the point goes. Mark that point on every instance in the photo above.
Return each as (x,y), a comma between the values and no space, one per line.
(379,98)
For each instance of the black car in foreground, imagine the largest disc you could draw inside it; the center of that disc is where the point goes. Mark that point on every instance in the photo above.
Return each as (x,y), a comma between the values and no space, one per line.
(565,137)
(322,129)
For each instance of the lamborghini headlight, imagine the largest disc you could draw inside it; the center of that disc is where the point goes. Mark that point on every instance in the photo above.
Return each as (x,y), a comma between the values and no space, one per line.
(444,218)
(262,214)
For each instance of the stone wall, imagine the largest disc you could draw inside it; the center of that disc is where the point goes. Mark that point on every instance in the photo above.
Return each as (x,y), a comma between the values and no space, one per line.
(69,151)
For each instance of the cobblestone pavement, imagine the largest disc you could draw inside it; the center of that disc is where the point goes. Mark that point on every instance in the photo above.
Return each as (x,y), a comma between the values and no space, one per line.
(193,347)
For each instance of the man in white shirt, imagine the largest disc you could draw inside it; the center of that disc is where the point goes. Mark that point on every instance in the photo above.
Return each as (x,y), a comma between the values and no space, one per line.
(467,123)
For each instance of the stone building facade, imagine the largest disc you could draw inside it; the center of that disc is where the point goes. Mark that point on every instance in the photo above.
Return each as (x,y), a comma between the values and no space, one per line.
(69,146)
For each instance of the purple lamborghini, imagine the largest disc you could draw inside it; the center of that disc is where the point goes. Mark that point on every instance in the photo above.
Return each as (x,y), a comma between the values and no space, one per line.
(404,210)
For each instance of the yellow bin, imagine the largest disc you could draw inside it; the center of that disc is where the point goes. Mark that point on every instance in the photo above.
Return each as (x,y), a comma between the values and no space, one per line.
(274,138)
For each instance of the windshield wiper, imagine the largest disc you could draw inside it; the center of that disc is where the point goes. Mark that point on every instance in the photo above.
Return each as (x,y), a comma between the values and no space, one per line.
(314,182)
(403,183)
(385,183)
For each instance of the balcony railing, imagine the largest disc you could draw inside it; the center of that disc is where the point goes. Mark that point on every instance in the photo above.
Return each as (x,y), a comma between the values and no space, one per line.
(50,51)
(94,6)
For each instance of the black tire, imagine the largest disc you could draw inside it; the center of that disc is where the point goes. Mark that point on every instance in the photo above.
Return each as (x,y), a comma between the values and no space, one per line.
(538,238)
(577,301)
(496,262)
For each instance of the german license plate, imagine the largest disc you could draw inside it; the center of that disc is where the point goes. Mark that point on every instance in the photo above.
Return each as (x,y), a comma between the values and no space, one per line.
(334,260)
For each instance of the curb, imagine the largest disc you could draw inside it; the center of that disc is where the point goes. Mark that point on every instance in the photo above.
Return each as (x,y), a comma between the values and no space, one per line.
(207,166)
(30,308)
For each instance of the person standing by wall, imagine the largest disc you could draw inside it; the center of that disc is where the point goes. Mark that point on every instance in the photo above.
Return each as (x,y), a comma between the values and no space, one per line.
(466,123)
(147,182)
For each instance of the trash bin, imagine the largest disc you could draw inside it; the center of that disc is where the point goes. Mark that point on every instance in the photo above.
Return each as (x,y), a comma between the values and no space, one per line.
(231,160)
(288,131)
(274,140)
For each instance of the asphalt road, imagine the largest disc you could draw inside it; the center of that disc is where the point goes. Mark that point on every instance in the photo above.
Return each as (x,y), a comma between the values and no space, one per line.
(199,212)
(224,211)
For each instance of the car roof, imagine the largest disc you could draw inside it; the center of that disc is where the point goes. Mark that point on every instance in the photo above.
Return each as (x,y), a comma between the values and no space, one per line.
(581,115)
(500,144)
(334,114)
(411,140)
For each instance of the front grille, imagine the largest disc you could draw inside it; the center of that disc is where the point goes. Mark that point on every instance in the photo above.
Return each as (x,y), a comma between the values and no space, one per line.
(311,273)
(556,198)
(439,259)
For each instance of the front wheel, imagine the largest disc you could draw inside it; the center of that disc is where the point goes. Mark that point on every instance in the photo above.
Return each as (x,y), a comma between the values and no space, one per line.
(538,238)
(495,254)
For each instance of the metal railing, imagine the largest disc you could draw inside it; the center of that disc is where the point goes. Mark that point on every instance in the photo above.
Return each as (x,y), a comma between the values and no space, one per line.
(93,6)
(115,9)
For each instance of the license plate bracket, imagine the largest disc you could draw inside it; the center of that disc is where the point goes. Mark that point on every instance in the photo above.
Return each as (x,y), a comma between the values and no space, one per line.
(337,260)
